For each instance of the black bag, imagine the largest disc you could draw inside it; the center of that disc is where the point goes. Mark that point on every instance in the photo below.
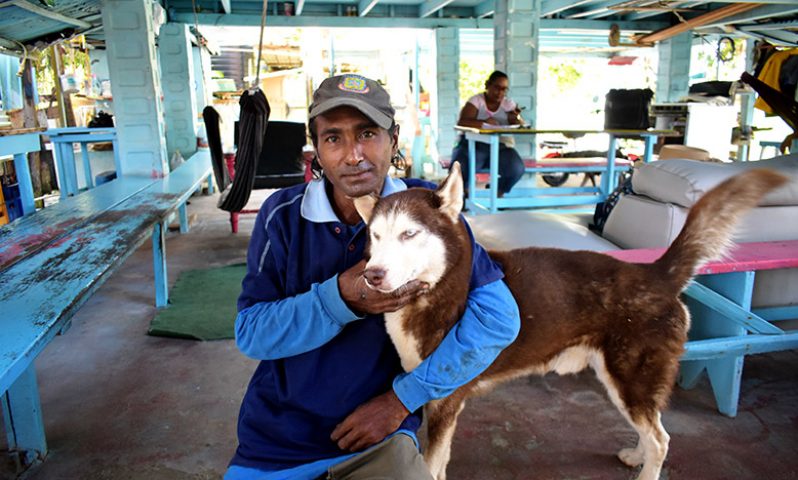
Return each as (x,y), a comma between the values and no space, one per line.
(627,109)
(604,208)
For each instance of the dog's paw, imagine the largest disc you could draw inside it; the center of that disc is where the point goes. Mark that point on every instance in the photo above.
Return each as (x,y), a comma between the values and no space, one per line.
(632,457)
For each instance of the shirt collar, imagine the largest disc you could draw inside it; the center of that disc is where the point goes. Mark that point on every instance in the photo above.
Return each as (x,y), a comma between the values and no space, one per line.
(316,205)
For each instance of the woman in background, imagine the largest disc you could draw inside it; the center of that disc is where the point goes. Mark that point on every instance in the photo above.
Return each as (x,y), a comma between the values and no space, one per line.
(491,108)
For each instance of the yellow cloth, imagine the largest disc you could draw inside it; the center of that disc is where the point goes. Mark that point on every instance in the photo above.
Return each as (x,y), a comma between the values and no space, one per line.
(770,75)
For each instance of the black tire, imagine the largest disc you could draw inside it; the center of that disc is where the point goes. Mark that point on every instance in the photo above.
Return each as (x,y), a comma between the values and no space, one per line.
(555,179)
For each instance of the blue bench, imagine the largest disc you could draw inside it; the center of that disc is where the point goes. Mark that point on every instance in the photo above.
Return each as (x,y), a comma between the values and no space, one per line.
(45,282)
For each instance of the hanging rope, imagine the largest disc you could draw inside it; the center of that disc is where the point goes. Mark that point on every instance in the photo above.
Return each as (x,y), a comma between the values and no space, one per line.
(260,44)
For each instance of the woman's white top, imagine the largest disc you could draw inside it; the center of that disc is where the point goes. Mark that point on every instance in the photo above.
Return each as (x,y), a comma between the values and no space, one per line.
(500,114)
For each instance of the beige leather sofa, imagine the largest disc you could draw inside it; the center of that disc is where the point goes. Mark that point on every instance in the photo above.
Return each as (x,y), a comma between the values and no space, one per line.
(654,215)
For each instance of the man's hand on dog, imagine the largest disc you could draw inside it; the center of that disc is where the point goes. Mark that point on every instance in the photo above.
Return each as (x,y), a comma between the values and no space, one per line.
(370,423)
(363,299)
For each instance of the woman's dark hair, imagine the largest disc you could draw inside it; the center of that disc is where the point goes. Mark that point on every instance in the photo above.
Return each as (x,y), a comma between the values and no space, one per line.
(497,74)
(399,161)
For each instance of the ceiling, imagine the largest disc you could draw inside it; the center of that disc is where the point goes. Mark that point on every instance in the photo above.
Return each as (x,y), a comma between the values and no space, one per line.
(38,23)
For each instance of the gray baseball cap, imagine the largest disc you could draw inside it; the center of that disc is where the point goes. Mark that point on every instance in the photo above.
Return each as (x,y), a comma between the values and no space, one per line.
(355,91)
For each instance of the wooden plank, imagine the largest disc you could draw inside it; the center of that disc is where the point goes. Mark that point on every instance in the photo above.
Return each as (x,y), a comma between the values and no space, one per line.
(30,233)
(731,346)
(752,256)
(40,295)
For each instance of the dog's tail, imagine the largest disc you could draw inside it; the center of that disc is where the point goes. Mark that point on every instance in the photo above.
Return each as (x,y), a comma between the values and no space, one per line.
(710,224)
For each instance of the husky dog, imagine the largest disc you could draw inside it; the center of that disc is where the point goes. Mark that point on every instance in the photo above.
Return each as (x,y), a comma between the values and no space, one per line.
(578,308)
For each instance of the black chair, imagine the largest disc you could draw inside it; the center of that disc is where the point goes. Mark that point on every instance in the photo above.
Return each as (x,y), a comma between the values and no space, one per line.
(280,163)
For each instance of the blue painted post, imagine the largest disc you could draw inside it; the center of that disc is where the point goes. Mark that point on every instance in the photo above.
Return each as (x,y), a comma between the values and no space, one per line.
(180,96)
(648,151)
(211,189)
(22,416)
(129,36)
(724,373)
(447,105)
(24,181)
(159,264)
(84,152)
(69,168)
(494,173)
(472,170)
(516,25)
(608,179)
(673,72)
(183,217)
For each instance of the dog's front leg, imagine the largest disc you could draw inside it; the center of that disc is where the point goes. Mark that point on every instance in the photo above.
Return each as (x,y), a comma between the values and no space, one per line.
(441,423)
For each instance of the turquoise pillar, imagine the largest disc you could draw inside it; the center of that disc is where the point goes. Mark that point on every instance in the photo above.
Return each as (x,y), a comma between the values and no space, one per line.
(202,77)
(516,27)
(179,92)
(673,73)
(448,102)
(135,80)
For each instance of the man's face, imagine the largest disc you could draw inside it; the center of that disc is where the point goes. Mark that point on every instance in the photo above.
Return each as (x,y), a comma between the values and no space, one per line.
(353,151)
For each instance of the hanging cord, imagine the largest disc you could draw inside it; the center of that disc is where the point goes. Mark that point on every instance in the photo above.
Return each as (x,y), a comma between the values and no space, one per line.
(260,45)
(200,45)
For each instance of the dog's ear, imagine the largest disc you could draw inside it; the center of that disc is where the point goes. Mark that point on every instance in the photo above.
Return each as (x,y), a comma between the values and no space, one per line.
(451,193)
(365,206)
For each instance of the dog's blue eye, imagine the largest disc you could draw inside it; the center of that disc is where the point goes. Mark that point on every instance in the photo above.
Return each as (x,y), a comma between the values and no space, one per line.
(409,233)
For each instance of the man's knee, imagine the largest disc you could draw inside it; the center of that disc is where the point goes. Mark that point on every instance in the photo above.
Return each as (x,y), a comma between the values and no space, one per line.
(397,458)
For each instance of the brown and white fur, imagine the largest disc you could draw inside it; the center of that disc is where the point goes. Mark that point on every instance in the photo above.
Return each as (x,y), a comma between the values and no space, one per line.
(578,308)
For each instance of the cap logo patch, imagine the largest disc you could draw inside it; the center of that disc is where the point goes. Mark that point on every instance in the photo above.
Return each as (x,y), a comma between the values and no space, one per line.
(353,84)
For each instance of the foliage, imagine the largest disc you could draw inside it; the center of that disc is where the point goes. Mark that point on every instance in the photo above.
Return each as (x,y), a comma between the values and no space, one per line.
(473,75)
(567,74)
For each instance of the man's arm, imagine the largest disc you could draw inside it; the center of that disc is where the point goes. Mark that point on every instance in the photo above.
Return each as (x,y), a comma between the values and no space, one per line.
(490,323)
(294,325)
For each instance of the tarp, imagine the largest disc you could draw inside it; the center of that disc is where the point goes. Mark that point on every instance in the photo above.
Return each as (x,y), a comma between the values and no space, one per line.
(253,119)
(211,118)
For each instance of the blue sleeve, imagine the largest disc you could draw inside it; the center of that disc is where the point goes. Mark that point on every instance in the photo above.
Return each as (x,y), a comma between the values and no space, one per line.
(490,323)
(270,325)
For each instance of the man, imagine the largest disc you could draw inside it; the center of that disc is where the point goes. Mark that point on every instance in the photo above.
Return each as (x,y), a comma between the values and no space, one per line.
(329,397)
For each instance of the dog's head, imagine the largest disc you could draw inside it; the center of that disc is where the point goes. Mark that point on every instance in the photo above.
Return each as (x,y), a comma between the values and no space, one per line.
(413,235)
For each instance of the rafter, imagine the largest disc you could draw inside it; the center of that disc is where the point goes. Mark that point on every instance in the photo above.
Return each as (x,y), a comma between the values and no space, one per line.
(365,6)
(47,13)
(431,6)
(485,8)
(758,13)
(550,7)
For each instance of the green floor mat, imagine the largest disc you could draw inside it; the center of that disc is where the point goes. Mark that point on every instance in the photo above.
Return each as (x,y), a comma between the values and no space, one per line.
(202,305)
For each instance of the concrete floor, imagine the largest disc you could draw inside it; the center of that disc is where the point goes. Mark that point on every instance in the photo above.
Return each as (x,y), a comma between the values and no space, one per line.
(119,404)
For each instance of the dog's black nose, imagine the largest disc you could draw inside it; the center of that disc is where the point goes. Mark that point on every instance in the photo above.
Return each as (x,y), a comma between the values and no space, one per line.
(374,276)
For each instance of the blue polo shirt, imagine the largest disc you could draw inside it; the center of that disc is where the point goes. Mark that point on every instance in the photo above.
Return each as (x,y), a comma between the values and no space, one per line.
(320,360)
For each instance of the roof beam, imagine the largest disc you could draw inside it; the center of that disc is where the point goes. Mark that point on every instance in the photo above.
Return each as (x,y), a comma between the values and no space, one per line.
(431,6)
(550,7)
(759,13)
(248,20)
(225,6)
(701,20)
(562,24)
(598,9)
(365,6)
(485,8)
(48,13)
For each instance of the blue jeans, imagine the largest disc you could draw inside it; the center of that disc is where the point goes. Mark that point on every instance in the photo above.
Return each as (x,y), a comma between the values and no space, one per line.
(511,167)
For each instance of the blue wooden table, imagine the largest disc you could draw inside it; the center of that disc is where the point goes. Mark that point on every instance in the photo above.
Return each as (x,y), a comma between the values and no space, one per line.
(44,282)
(63,140)
(19,143)
(488,201)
